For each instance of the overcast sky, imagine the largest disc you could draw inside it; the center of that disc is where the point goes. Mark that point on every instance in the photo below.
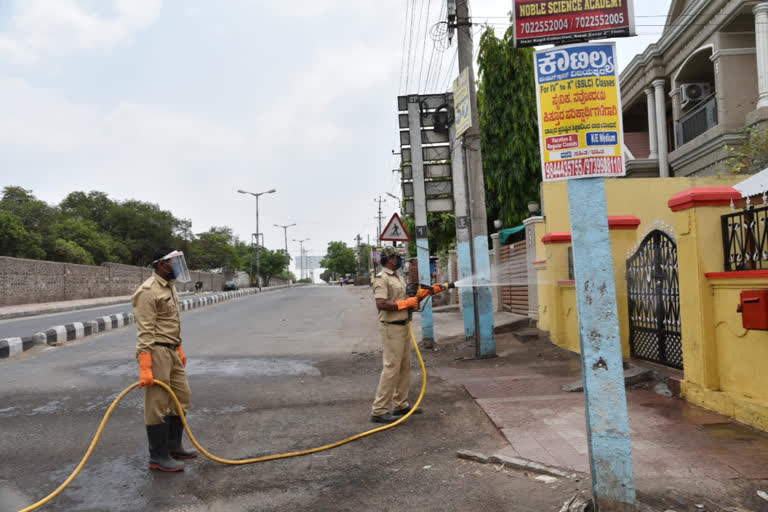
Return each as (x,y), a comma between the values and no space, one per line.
(182,102)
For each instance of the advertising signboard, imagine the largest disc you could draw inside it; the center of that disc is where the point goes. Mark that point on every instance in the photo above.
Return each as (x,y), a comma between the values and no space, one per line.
(542,22)
(580,122)
(461,106)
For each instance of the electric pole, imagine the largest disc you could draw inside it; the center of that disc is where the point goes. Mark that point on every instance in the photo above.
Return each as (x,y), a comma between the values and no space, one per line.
(481,265)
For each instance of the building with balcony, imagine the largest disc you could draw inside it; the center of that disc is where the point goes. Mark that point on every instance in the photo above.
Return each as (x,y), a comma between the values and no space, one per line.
(694,92)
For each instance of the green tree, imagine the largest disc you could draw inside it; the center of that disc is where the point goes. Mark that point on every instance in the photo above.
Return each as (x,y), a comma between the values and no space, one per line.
(752,156)
(441,232)
(326,276)
(509,127)
(16,241)
(272,263)
(214,249)
(36,216)
(86,234)
(339,259)
(143,227)
(70,252)
(94,206)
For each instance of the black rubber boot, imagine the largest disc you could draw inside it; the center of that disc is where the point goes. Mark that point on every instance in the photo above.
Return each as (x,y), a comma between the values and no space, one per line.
(175,433)
(159,458)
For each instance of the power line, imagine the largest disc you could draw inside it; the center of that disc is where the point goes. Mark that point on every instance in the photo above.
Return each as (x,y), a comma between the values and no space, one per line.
(424,45)
(410,44)
(402,53)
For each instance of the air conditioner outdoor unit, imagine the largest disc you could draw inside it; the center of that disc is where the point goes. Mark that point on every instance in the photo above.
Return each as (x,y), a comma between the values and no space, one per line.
(695,92)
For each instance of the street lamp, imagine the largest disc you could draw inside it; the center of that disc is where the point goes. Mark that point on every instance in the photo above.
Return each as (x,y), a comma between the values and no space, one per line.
(285,232)
(256,195)
(301,255)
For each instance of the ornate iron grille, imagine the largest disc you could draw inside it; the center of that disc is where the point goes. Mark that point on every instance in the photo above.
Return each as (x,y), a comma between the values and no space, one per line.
(745,239)
(654,301)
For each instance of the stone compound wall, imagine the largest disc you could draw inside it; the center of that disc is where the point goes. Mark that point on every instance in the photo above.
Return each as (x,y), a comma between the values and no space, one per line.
(33,281)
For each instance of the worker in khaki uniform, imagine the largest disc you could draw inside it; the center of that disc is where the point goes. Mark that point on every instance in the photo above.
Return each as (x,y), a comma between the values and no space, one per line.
(393,306)
(160,356)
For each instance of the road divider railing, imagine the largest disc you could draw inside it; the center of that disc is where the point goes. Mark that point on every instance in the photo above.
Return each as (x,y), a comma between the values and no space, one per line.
(61,334)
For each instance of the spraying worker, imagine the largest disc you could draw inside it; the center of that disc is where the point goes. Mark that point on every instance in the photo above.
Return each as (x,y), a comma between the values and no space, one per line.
(393,305)
(160,356)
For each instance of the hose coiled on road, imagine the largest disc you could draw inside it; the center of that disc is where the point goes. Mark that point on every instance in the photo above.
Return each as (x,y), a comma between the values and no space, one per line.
(211,456)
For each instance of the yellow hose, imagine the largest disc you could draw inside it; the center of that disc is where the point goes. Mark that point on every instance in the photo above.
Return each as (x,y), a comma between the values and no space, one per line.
(229,461)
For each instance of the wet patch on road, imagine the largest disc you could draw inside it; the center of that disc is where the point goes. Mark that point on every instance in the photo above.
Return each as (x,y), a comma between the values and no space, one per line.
(247,367)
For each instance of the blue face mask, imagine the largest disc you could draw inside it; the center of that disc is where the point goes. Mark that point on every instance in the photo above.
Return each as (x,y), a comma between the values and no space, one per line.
(399,262)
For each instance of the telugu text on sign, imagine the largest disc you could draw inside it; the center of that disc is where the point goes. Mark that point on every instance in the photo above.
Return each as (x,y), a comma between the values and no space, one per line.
(540,22)
(580,118)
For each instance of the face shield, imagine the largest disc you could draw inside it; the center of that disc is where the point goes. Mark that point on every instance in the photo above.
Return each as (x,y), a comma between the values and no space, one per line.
(179,264)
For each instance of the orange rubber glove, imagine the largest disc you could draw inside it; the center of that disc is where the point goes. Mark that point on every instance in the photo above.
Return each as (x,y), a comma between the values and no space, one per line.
(434,290)
(410,302)
(182,356)
(145,370)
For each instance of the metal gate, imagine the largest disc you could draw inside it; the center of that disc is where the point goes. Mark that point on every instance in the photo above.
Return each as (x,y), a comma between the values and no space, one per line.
(654,301)
(513,272)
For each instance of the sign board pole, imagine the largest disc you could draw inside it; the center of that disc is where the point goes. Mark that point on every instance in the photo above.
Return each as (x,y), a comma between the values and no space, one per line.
(580,118)
(463,234)
(420,213)
(610,450)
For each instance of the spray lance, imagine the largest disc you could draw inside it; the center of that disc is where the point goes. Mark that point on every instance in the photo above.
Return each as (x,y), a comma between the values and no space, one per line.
(423,291)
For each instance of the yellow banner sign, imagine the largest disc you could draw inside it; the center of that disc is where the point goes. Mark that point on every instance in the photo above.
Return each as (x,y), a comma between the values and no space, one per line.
(580,118)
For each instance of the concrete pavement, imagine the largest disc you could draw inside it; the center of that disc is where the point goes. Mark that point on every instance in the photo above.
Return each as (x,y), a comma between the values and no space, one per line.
(683,455)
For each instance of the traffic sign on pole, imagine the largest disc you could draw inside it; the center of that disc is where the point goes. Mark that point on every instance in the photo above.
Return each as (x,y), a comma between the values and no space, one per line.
(395,231)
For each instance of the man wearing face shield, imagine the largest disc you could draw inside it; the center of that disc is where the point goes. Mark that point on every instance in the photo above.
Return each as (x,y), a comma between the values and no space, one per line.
(160,356)
(393,307)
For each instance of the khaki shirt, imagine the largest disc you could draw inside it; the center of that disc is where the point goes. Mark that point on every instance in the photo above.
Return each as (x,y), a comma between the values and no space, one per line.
(390,285)
(156,308)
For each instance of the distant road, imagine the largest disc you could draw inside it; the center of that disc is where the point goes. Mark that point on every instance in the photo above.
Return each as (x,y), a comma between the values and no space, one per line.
(29,325)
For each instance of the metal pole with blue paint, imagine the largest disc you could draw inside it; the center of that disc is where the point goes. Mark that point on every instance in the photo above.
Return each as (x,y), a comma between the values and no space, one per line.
(581,141)
(420,212)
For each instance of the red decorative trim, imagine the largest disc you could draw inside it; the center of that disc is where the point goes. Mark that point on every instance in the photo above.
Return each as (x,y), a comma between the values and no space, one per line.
(557,238)
(741,274)
(566,283)
(540,262)
(703,196)
(623,222)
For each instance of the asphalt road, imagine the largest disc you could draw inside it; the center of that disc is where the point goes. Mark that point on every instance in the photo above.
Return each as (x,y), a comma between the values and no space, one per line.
(29,325)
(269,373)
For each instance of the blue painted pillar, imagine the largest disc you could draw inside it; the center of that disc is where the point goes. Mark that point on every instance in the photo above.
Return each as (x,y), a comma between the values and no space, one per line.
(605,398)
(486,343)
(467,293)
(425,277)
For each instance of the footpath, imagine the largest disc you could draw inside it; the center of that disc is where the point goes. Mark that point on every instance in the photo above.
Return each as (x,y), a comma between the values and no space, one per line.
(59,334)
(685,458)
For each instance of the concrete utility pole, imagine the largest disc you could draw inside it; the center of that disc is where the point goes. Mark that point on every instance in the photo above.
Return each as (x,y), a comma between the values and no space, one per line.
(485,345)
(285,232)
(420,213)
(463,232)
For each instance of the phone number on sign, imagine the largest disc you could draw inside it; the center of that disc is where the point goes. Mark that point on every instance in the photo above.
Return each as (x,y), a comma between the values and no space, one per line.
(599,21)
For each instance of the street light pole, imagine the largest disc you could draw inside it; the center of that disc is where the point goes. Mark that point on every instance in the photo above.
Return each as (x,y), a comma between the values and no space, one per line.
(285,232)
(256,195)
(301,255)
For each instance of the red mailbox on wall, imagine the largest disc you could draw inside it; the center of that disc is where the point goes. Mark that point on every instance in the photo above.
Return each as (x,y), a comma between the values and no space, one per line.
(754,309)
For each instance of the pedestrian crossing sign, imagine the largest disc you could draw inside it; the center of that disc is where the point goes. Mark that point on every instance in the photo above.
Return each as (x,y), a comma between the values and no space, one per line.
(395,231)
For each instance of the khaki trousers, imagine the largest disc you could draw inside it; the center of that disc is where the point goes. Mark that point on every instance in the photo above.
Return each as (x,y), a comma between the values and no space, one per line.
(166,367)
(395,377)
